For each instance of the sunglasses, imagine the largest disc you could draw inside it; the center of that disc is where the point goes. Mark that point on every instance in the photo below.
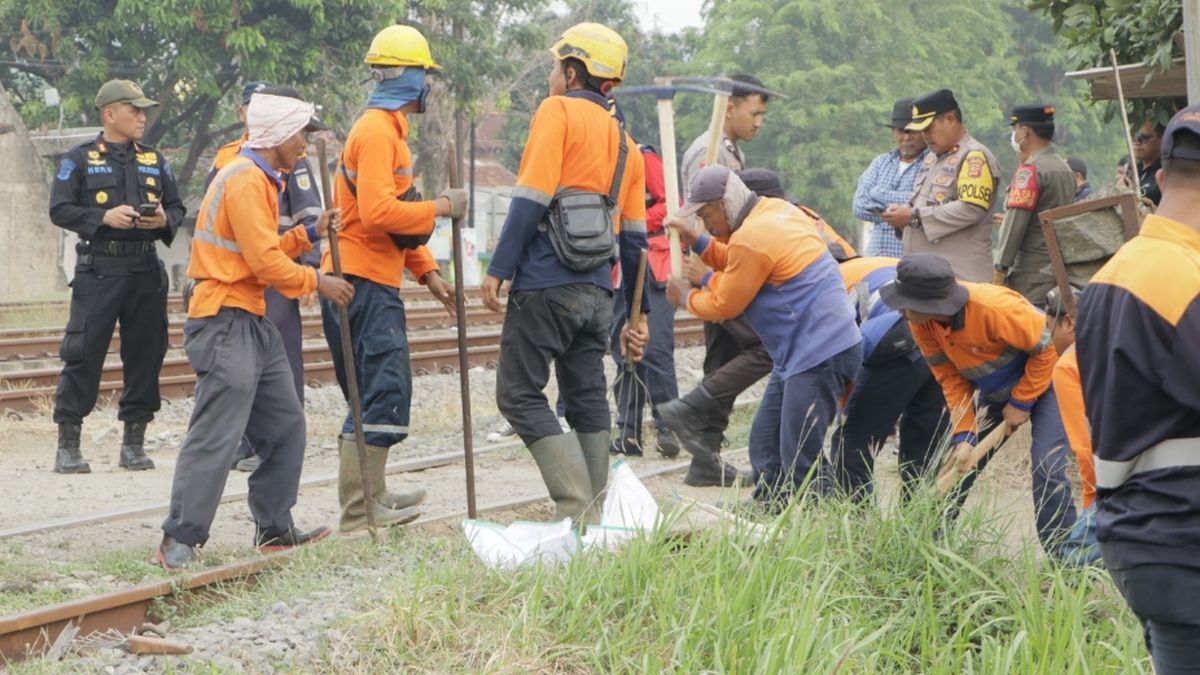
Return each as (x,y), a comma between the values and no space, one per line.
(1142,138)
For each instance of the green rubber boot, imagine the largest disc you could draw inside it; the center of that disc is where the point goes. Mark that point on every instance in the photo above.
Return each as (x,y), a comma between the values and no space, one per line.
(560,460)
(595,453)
(350,490)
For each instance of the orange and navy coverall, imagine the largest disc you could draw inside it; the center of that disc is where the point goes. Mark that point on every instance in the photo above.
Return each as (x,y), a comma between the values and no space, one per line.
(554,313)
(244,383)
(776,270)
(373,178)
(998,345)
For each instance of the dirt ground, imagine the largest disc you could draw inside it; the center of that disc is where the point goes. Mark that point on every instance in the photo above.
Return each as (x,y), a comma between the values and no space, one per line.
(33,495)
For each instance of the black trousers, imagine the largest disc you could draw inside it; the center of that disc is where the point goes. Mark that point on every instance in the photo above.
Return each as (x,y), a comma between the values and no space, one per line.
(1164,599)
(567,325)
(899,389)
(138,301)
(734,359)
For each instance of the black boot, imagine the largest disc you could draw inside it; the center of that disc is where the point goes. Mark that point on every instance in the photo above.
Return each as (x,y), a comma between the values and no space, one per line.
(271,539)
(69,459)
(709,470)
(133,455)
(668,445)
(689,416)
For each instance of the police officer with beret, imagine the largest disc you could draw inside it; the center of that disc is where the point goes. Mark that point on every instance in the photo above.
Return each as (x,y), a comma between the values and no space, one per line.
(120,198)
(1043,181)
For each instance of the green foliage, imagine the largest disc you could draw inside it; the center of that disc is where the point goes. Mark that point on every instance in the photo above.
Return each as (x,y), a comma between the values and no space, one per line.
(833,588)
(1139,31)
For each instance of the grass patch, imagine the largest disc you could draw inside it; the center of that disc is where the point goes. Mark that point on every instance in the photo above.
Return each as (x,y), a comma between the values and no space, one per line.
(837,589)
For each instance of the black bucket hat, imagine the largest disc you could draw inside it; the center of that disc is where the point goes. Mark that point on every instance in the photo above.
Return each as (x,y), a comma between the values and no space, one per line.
(925,283)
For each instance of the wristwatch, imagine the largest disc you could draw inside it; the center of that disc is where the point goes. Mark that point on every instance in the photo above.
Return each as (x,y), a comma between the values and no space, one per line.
(915,221)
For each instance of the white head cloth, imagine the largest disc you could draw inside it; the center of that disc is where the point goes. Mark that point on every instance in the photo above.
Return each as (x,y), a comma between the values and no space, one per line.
(274,119)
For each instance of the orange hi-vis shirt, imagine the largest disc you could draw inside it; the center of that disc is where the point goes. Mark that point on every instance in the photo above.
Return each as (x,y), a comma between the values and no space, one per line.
(998,343)
(1069,391)
(777,270)
(236,249)
(376,169)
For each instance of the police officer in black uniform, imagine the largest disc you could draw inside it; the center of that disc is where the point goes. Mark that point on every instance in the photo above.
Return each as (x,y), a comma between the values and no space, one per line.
(120,198)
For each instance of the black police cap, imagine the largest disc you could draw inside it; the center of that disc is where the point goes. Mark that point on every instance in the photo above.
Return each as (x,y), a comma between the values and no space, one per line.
(1031,114)
(928,106)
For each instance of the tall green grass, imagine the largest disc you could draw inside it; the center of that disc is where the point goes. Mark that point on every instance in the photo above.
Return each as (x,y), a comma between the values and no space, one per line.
(836,588)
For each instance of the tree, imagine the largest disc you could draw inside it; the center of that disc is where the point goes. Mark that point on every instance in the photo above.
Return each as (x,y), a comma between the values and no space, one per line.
(187,55)
(1139,31)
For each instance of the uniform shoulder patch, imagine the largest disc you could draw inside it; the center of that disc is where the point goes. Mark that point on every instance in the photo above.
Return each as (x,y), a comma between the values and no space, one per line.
(975,182)
(303,181)
(65,168)
(1024,191)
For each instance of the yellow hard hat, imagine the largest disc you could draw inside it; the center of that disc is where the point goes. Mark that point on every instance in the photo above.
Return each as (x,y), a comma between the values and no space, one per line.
(400,46)
(599,47)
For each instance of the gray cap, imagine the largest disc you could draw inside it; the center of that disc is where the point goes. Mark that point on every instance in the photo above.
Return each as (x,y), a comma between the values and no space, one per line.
(708,185)
(122,91)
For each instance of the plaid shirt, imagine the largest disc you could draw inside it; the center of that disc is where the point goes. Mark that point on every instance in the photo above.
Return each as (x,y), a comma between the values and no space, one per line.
(880,185)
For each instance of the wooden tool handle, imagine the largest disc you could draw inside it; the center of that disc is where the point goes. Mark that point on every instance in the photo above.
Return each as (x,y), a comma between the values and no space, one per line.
(950,473)
(635,315)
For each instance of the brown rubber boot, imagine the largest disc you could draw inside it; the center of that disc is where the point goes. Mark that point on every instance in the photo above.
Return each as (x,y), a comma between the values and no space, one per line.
(350,492)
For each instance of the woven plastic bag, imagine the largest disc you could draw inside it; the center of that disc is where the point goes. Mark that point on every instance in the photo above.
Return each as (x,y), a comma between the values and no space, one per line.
(629,511)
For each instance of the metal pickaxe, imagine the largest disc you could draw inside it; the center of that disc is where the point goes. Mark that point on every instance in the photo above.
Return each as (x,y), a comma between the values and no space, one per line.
(664,90)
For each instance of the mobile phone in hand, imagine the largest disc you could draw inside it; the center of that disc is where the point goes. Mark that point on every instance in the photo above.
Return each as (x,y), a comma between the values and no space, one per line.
(147,210)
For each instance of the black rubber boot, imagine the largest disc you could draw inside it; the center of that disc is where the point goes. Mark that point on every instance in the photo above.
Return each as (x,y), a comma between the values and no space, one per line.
(270,539)
(668,444)
(689,416)
(69,459)
(133,454)
(709,470)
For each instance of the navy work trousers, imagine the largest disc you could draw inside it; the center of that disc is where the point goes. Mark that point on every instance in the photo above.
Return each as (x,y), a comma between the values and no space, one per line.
(1048,452)
(381,358)
(789,428)
(734,359)
(565,325)
(1164,599)
(655,374)
(900,389)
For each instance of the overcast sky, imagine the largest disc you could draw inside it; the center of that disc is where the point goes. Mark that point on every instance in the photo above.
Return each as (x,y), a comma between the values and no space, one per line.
(670,15)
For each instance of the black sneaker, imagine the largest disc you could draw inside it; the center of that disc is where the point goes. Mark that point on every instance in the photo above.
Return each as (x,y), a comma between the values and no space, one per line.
(269,540)
(175,556)
(630,447)
(668,445)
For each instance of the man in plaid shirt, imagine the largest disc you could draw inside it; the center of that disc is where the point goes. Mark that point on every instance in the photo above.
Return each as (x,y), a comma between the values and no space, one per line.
(889,180)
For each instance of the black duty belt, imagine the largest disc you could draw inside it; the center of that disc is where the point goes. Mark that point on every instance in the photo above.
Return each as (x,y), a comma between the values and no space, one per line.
(122,249)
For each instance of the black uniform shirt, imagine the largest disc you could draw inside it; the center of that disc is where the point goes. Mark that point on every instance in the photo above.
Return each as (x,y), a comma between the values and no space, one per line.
(98,175)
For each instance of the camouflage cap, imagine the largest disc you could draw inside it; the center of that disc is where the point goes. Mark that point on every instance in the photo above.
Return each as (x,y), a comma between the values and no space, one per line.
(122,91)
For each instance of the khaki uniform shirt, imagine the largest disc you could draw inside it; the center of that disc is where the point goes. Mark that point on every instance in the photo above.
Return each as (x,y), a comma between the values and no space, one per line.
(1043,182)
(954,196)
(728,155)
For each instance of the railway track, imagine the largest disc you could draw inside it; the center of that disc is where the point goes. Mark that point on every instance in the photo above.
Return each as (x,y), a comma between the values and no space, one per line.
(24,390)
(31,633)
(412,293)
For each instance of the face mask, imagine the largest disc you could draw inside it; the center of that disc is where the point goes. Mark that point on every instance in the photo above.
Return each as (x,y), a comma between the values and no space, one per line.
(1015,145)
(422,98)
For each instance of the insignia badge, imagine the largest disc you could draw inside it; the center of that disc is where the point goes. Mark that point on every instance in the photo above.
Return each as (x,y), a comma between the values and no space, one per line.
(303,181)
(101,197)
(1021,180)
(975,166)
(943,180)
(151,182)
(64,169)
(92,154)
(151,197)
(930,159)
(940,197)
(147,158)
(953,161)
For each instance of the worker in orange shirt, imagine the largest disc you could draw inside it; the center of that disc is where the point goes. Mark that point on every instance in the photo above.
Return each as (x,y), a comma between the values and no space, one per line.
(560,304)
(299,206)
(989,339)
(244,382)
(385,227)
(1081,546)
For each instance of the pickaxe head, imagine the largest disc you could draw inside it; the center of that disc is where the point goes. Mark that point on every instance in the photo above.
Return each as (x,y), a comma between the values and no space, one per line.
(667,87)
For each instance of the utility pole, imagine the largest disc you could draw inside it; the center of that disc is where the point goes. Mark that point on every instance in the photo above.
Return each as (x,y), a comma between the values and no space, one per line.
(1191,49)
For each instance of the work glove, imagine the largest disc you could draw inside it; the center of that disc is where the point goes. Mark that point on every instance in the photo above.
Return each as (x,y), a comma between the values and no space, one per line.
(458,202)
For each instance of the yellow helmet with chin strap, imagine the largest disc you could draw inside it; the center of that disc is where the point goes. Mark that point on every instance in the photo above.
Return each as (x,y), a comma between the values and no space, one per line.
(400,46)
(602,51)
